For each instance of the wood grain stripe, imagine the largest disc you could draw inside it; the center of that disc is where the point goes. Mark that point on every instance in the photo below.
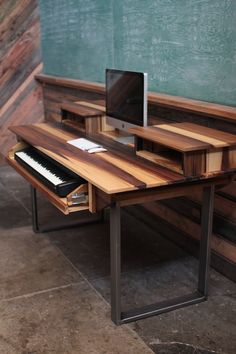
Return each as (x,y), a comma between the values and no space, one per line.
(141,175)
(95,105)
(49,128)
(200,137)
(227,138)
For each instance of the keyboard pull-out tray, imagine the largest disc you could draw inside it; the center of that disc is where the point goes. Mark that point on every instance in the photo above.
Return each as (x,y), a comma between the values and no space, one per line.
(67,204)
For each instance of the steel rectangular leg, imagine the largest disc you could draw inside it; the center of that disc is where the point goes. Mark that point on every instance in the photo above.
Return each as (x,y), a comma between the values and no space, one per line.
(115,254)
(199,295)
(34,209)
(205,246)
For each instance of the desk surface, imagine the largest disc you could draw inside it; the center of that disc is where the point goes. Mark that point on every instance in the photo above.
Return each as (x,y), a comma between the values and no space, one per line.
(115,171)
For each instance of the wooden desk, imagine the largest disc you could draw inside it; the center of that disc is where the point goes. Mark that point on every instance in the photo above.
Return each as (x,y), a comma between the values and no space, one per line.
(117,178)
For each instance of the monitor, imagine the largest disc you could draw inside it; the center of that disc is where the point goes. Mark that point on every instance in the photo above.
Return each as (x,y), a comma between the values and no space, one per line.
(126,98)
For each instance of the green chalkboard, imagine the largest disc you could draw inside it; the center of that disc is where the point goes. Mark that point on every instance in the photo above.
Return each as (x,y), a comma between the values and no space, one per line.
(187,47)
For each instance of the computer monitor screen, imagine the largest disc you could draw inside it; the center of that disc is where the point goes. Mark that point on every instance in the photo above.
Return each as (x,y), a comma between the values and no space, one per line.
(126,97)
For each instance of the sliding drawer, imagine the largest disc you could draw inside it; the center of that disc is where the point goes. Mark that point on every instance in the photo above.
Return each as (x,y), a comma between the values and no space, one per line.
(81,198)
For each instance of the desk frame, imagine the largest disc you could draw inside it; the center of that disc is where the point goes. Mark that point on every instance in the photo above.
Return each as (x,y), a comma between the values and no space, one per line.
(201,294)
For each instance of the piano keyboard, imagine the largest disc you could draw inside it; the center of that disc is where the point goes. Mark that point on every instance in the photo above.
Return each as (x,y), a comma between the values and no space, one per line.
(55,176)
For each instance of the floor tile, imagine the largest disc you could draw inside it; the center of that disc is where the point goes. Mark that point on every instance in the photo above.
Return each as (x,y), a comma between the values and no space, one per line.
(210,325)
(13,212)
(68,321)
(15,185)
(30,263)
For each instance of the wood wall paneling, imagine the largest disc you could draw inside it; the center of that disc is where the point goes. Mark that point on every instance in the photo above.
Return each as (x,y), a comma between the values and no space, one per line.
(20,61)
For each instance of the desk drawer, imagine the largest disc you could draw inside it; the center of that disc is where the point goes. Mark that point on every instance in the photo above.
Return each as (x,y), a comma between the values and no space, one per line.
(81,198)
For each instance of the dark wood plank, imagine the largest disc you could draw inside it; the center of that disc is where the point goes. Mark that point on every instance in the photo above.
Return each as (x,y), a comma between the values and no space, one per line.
(170,139)
(80,109)
(72,83)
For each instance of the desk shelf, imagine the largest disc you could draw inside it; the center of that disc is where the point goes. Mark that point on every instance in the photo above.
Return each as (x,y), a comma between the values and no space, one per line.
(65,205)
(81,117)
(186,148)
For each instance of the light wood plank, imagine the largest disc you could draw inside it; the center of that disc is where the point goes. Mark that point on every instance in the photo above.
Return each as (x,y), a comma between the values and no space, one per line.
(228,138)
(201,137)
(92,198)
(149,178)
(214,160)
(92,105)
(55,131)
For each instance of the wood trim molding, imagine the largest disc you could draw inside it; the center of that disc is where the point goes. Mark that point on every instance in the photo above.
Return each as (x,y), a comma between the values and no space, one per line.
(71,83)
(159,99)
(187,104)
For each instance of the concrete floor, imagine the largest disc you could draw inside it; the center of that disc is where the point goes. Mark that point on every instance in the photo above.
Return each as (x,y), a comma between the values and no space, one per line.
(55,287)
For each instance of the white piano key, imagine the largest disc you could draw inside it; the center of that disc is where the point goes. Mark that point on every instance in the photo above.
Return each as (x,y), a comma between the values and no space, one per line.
(39,168)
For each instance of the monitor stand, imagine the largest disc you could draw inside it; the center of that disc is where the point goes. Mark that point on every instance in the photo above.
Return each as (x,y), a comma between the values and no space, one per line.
(126,140)
(118,130)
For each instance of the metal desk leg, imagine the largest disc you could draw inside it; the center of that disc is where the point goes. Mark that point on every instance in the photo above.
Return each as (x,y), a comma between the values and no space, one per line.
(205,247)
(115,255)
(199,295)
(34,208)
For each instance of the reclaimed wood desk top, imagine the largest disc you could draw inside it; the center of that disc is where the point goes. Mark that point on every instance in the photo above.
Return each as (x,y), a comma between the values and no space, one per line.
(115,171)
(186,137)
